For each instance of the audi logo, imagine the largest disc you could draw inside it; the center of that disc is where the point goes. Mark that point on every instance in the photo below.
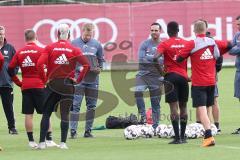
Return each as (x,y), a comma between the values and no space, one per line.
(75,28)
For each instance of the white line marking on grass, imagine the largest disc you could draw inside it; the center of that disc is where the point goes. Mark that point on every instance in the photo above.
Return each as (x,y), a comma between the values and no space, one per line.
(228,147)
(166,140)
(219,146)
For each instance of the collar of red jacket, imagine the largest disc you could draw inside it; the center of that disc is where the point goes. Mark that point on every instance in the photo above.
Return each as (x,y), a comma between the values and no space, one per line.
(31,43)
(61,40)
(201,35)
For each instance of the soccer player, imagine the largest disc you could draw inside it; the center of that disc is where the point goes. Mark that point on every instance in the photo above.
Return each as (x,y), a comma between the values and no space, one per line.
(214,111)
(32,85)
(203,52)
(177,75)
(6,86)
(235,51)
(60,59)
(148,76)
(93,50)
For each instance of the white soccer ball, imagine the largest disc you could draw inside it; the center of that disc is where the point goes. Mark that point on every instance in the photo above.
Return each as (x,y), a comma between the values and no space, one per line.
(200,130)
(164,131)
(214,129)
(147,131)
(160,129)
(131,132)
(194,130)
(188,132)
(170,131)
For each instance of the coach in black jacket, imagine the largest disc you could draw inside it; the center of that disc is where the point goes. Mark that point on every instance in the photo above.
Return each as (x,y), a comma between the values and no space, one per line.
(6,86)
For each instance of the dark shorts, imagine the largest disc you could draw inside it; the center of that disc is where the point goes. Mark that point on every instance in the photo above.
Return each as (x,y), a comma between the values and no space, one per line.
(203,95)
(59,98)
(33,99)
(180,92)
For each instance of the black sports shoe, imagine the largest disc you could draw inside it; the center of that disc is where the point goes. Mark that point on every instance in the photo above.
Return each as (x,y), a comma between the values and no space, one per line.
(73,134)
(237,131)
(184,140)
(175,141)
(87,134)
(142,120)
(12,131)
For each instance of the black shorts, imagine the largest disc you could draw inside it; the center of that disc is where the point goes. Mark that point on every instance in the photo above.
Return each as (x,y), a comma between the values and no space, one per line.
(59,98)
(203,95)
(33,99)
(180,92)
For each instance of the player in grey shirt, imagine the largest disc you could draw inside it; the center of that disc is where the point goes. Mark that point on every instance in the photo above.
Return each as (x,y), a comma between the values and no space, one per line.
(148,76)
(93,50)
(235,51)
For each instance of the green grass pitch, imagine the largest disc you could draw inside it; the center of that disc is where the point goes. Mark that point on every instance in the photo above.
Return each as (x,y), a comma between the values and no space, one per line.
(111,145)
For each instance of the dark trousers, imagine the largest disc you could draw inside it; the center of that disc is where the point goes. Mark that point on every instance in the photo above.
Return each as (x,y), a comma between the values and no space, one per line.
(59,93)
(7,102)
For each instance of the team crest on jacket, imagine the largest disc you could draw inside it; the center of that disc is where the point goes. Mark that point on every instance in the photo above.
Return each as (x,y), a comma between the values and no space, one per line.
(5,52)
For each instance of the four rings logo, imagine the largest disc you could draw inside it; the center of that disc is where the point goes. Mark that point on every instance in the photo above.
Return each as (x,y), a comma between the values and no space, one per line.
(75,28)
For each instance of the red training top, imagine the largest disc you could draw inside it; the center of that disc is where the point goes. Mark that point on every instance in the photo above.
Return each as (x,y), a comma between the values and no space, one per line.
(26,58)
(203,52)
(61,58)
(170,49)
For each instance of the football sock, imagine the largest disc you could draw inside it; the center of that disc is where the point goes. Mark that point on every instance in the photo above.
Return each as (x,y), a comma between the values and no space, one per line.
(30,136)
(44,127)
(175,124)
(208,133)
(64,130)
(49,136)
(183,123)
(217,124)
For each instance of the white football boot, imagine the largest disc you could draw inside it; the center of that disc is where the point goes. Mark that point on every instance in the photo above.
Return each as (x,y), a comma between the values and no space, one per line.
(63,145)
(51,144)
(33,144)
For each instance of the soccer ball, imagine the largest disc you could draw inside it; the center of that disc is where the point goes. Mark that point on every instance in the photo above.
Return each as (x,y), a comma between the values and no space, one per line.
(194,130)
(202,130)
(160,129)
(147,131)
(170,131)
(214,129)
(199,130)
(188,132)
(131,132)
(165,131)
